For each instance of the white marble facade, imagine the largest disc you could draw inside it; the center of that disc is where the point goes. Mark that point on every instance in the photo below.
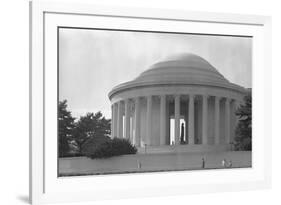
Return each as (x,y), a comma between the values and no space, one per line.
(184,88)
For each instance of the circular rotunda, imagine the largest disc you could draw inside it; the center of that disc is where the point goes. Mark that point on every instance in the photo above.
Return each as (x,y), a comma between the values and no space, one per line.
(182,101)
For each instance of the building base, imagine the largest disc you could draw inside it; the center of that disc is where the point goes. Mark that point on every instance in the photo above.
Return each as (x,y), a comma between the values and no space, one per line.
(184,148)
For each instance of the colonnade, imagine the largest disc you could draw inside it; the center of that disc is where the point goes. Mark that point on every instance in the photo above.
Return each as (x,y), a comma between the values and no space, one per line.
(129,109)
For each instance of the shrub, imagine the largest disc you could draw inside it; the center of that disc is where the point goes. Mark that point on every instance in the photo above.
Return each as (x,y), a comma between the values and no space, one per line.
(112,147)
(243,144)
(92,144)
(123,146)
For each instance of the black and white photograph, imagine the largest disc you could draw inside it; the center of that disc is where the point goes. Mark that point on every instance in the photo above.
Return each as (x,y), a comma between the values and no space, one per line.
(133,101)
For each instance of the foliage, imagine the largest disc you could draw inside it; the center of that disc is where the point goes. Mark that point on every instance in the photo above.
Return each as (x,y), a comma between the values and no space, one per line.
(243,139)
(65,128)
(90,126)
(111,147)
(73,134)
(93,144)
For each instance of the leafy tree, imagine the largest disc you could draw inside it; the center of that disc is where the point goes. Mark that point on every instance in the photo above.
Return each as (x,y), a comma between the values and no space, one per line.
(90,126)
(243,139)
(65,126)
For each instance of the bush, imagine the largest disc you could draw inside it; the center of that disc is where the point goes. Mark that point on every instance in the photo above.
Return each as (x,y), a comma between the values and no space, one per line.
(243,145)
(92,144)
(110,148)
(123,146)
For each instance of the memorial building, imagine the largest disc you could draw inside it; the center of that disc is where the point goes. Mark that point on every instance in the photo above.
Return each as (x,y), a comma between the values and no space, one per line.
(181,103)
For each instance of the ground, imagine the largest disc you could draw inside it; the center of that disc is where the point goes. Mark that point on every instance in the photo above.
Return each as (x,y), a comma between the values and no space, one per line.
(152,163)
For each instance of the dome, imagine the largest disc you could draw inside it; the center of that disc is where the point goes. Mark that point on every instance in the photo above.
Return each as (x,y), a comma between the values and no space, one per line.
(180,69)
(183,68)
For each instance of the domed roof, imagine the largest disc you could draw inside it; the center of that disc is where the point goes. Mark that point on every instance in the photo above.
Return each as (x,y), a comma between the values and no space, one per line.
(180,69)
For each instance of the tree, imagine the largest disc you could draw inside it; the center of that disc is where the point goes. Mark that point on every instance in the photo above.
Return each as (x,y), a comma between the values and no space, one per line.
(89,126)
(243,139)
(66,126)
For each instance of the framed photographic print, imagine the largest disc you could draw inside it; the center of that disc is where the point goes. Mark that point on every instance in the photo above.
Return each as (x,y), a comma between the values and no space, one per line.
(130,102)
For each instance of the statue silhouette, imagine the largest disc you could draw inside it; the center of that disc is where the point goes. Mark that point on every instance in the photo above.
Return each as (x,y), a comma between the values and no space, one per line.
(182,134)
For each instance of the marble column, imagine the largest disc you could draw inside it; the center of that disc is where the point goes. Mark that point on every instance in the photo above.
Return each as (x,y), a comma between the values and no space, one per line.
(115,115)
(177,119)
(132,128)
(148,120)
(137,122)
(127,120)
(120,121)
(167,121)
(217,120)
(227,120)
(112,121)
(205,119)
(162,120)
(191,120)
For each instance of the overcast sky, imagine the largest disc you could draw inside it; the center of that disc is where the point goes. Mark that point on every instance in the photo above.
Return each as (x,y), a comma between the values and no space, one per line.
(92,62)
